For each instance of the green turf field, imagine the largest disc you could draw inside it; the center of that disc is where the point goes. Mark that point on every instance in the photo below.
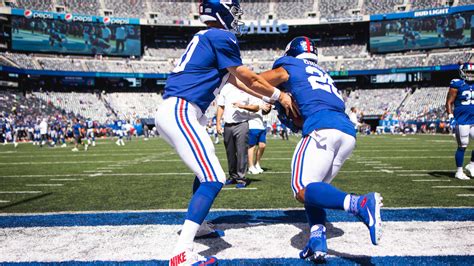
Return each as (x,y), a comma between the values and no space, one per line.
(410,171)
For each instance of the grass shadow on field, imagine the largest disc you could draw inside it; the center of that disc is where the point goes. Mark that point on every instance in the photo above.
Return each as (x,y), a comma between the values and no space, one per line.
(25,201)
(441,174)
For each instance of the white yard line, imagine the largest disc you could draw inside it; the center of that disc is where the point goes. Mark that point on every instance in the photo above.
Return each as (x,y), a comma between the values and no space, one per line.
(21,192)
(431,180)
(4,201)
(452,186)
(44,185)
(465,195)
(66,179)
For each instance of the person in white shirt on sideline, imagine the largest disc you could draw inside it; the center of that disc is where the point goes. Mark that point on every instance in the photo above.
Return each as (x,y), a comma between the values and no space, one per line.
(353,118)
(234,106)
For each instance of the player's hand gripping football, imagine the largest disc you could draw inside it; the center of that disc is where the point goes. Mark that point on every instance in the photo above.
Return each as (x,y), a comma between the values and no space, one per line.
(290,106)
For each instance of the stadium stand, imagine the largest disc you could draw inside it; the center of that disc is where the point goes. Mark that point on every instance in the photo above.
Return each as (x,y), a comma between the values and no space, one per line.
(348,57)
(424,103)
(376,102)
(133,105)
(424,4)
(334,9)
(126,8)
(256,9)
(36,5)
(28,107)
(87,105)
(405,60)
(380,7)
(172,11)
(86,7)
(293,8)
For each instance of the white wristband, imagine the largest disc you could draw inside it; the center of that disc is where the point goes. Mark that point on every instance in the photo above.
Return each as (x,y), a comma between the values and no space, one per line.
(275,95)
(450,116)
(266,99)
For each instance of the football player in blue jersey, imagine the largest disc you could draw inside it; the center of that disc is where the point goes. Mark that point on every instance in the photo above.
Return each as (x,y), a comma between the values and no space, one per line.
(118,126)
(211,59)
(328,140)
(461,96)
(76,129)
(90,133)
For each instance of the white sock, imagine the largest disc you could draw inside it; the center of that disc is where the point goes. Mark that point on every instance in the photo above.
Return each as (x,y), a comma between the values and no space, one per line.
(347,203)
(459,170)
(186,238)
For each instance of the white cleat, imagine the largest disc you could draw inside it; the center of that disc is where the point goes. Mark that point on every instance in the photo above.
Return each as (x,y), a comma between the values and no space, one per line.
(470,169)
(86,147)
(64,145)
(188,257)
(75,150)
(461,176)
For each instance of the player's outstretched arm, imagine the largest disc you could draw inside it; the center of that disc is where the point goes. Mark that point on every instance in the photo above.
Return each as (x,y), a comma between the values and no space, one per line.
(276,76)
(259,85)
(452,93)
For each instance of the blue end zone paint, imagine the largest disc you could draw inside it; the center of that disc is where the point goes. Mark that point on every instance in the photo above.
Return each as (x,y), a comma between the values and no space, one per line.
(437,260)
(227,217)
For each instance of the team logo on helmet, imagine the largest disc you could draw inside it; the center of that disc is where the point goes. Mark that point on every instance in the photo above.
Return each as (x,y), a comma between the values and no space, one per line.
(307,46)
(68,17)
(106,20)
(28,13)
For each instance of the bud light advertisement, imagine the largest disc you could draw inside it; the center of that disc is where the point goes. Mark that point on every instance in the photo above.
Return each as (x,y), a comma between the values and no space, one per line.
(423,32)
(75,35)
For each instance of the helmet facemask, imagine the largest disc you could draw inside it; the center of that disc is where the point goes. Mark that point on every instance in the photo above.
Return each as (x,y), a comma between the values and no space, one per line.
(466,71)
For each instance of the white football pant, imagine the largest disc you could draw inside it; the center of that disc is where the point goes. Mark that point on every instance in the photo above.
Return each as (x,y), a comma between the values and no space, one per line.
(182,125)
(319,156)
(463,132)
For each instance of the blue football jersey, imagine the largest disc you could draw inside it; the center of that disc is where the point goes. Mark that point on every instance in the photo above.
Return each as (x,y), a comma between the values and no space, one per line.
(90,124)
(202,68)
(77,129)
(320,102)
(464,103)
